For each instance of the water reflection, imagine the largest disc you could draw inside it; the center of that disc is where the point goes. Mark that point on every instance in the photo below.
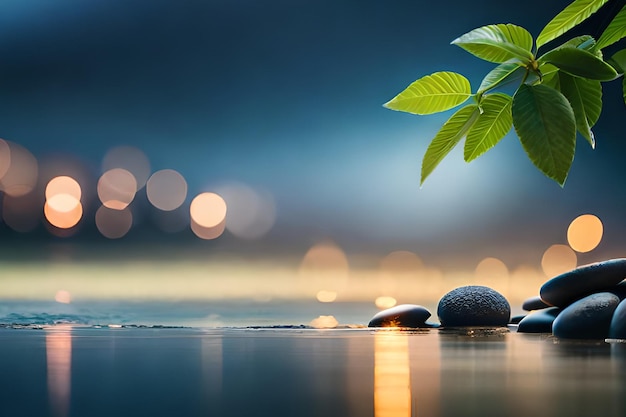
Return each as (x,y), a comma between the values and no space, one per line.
(392,374)
(59,369)
(212,370)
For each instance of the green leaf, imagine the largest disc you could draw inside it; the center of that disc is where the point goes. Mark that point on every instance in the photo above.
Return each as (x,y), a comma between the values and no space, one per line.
(432,94)
(571,16)
(579,63)
(498,43)
(585,42)
(624,89)
(615,31)
(550,75)
(618,60)
(492,125)
(501,75)
(585,97)
(545,123)
(447,138)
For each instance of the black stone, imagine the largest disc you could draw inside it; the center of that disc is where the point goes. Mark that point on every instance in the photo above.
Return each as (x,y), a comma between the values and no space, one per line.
(473,305)
(587,318)
(403,315)
(618,322)
(517,319)
(566,288)
(619,290)
(534,303)
(539,321)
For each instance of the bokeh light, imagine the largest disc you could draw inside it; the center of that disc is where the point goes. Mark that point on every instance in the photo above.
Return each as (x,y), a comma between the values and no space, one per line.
(251,214)
(585,233)
(113,224)
(491,268)
(166,189)
(325,265)
(324,322)
(117,188)
(384,302)
(63,297)
(130,159)
(400,263)
(558,259)
(20,178)
(208,215)
(324,296)
(63,208)
(63,185)
(5,157)
(57,213)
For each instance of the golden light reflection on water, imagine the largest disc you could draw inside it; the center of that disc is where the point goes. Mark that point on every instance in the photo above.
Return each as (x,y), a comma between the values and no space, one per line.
(585,233)
(392,374)
(59,368)
(558,259)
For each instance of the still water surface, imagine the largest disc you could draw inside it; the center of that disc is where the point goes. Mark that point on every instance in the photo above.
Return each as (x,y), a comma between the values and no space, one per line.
(63,371)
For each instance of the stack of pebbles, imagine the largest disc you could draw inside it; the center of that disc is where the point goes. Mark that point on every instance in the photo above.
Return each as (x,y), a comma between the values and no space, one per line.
(584,303)
(588,302)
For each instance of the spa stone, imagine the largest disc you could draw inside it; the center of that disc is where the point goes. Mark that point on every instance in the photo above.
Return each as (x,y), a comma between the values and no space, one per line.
(618,322)
(473,305)
(587,318)
(403,315)
(566,288)
(539,321)
(534,303)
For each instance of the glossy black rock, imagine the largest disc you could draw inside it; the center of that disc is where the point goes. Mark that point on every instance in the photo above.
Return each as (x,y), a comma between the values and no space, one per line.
(618,322)
(566,288)
(539,321)
(403,315)
(587,318)
(534,303)
(473,305)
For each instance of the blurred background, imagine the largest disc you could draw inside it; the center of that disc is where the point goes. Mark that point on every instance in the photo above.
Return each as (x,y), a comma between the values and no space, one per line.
(233,152)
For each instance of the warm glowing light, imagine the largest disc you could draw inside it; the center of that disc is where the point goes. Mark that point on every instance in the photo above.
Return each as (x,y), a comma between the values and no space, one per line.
(392,375)
(208,210)
(324,296)
(113,224)
(558,259)
(325,265)
(63,211)
(22,213)
(20,177)
(251,214)
(63,297)
(117,188)
(491,268)
(63,185)
(59,369)
(401,262)
(130,159)
(166,189)
(5,157)
(324,322)
(208,233)
(385,302)
(585,233)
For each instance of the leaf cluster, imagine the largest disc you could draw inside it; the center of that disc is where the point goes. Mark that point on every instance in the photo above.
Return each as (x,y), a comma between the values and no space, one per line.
(558,92)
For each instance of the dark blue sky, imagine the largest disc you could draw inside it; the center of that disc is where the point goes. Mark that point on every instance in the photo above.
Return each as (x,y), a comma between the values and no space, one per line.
(287,96)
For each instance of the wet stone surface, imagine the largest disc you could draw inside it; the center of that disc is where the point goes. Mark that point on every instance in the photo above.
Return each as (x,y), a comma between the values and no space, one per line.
(573,285)
(403,315)
(587,318)
(473,305)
